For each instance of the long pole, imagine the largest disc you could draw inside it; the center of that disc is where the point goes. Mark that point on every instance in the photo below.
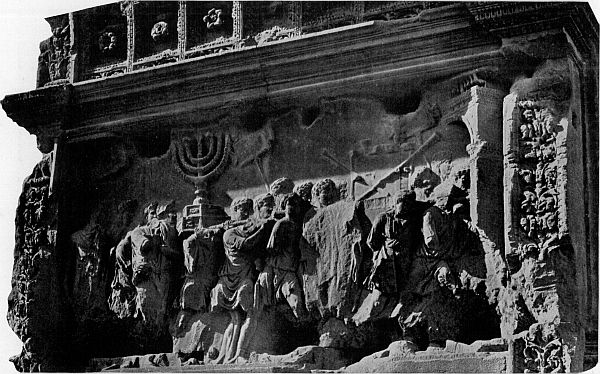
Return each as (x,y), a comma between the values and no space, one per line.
(398,169)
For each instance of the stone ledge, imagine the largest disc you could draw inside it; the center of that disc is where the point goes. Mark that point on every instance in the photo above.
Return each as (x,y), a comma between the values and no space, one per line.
(480,362)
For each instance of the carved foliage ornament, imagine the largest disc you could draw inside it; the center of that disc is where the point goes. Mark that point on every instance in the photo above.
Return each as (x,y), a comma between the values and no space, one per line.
(160,31)
(214,19)
(538,211)
(107,42)
(34,239)
(544,351)
(200,156)
(53,62)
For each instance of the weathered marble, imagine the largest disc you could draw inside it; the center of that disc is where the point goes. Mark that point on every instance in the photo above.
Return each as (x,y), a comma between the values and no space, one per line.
(486,110)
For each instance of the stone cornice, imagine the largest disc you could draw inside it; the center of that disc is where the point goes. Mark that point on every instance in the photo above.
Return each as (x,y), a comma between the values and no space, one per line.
(510,19)
(439,42)
(367,58)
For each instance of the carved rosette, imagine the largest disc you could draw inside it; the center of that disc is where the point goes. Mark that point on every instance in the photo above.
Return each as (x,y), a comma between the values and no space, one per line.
(200,157)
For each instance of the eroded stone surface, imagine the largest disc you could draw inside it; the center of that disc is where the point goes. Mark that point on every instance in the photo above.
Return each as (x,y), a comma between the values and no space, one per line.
(329,265)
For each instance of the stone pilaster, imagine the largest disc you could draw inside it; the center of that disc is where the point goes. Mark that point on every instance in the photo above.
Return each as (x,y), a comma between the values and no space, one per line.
(542,307)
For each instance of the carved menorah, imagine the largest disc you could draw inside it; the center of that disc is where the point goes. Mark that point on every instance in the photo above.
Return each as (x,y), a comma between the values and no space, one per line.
(200,156)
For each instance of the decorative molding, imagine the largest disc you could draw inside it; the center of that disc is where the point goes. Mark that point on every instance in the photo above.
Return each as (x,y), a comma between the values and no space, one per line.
(238,21)
(181,29)
(359,11)
(127,7)
(537,213)
(545,351)
(295,15)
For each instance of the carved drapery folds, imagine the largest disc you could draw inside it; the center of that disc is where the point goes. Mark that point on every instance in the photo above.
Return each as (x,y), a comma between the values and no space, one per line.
(349,114)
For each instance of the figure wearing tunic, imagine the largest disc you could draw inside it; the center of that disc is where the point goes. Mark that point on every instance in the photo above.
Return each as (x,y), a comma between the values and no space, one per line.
(394,242)
(202,252)
(433,280)
(278,281)
(155,255)
(235,287)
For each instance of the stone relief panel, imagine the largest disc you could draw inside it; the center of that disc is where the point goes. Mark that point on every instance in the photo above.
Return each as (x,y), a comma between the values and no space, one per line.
(35,280)
(155,267)
(265,22)
(539,206)
(540,251)
(210,27)
(200,156)
(103,47)
(55,53)
(156,33)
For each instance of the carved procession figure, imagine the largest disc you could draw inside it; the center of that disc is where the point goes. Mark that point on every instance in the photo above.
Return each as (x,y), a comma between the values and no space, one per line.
(154,253)
(279,189)
(304,190)
(325,193)
(459,192)
(234,291)
(394,239)
(430,309)
(202,251)
(278,281)
(264,206)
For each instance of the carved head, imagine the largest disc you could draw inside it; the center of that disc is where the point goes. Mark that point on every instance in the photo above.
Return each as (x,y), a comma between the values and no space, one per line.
(324,192)
(462,177)
(282,186)
(524,223)
(551,221)
(550,175)
(165,211)
(528,115)
(264,205)
(403,202)
(425,180)
(305,191)
(241,208)
(292,203)
(442,197)
(150,212)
